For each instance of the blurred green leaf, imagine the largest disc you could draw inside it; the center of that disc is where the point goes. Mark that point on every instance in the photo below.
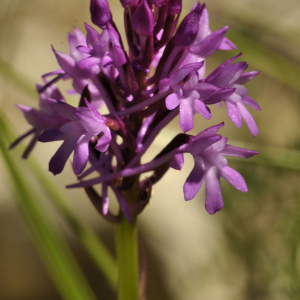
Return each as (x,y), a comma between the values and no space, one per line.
(11,75)
(58,258)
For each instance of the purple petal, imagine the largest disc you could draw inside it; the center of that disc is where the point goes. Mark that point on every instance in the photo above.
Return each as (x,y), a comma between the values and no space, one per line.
(94,111)
(88,120)
(164,85)
(58,161)
(245,77)
(66,62)
(177,162)
(250,102)
(206,90)
(238,152)
(210,44)
(118,55)
(81,154)
(208,132)
(85,50)
(38,119)
(104,141)
(203,25)
(216,72)
(202,109)
(220,95)
(113,35)
(172,101)
(73,129)
(184,71)
(89,62)
(234,113)
(52,135)
(186,115)
(23,136)
(64,109)
(81,39)
(227,45)
(229,74)
(50,92)
(213,200)
(248,119)
(73,44)
(92,36)
(194,181)
(234,178)
(197,146)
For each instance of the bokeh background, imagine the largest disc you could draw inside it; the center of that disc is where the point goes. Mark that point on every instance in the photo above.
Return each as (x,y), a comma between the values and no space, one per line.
(249,250)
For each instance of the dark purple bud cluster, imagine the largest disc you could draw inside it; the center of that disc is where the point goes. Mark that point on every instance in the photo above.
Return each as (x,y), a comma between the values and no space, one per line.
(159,75)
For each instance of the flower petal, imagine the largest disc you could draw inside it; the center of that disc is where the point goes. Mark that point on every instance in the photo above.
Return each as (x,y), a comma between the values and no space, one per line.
(238,152)
(210,44)
(234,113)
(81,154)
(250,102)
(59,159)
(248,119)
(194,180)
(172,101)
(177,162)
(202,109)
(213,200)
(186,115)
(104,141)
(234,178)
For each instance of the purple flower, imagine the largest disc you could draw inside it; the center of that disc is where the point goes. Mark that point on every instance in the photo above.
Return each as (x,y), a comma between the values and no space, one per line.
(43,119)
(206,42)
(191,95)
(69,63)
(208,150)
(104,49)
(232,76)
(85,123)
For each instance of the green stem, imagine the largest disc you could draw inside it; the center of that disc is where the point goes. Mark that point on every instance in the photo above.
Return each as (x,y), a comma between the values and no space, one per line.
(127,257)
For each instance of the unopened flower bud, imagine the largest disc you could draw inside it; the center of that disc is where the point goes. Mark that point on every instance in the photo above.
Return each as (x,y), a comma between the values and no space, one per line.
(142,19)
(100,13)
(188,29)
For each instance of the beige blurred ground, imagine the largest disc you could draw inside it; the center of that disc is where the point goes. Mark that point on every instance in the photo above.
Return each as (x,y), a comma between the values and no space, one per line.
(195,259)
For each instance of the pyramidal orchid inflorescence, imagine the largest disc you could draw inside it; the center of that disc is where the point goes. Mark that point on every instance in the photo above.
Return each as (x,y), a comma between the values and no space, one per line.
(158,75)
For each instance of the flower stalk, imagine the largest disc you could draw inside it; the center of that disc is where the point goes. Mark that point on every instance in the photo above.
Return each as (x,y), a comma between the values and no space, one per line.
(127,257)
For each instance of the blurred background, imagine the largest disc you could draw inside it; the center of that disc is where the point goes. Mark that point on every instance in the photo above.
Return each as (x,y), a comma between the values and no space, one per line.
(249,250)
